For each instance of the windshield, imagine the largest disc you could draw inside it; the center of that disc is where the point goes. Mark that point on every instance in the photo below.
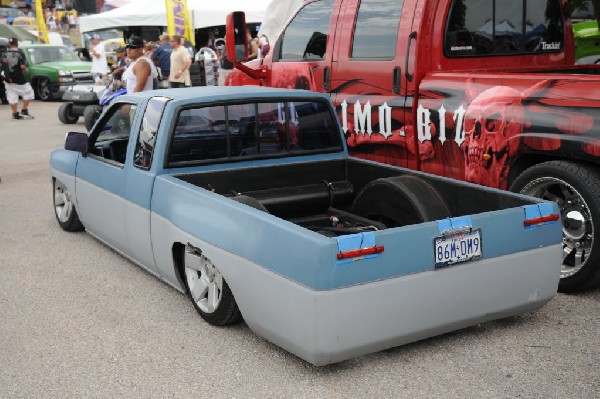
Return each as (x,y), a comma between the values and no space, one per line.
(39,55)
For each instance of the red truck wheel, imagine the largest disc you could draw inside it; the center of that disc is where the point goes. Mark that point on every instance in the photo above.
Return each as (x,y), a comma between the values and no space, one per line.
(208,290)
(576,189)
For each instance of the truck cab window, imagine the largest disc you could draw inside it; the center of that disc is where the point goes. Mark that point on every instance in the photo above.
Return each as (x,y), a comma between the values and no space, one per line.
(225,133)
(376,29)
(200,134)
(144,146)
(305,38)
(111,135)
(503,27)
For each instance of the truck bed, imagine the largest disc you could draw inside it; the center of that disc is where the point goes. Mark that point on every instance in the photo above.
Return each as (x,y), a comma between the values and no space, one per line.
(310,193)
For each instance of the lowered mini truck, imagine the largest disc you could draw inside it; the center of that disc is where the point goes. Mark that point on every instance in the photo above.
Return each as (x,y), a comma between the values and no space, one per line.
(245,198)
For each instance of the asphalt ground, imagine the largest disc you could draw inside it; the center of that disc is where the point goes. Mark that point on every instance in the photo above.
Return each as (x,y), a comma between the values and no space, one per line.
(77,320)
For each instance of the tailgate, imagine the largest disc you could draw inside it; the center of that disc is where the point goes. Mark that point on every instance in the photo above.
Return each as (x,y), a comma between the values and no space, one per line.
(444,244)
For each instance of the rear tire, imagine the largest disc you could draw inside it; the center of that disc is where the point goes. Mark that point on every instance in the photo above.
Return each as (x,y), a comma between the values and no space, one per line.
(91,113)
(208,290)
(65,114)
(576,189)
(400,201)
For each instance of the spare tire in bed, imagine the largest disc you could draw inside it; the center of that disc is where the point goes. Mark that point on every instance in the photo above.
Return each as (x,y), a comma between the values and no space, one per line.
(250,201)
(400,201)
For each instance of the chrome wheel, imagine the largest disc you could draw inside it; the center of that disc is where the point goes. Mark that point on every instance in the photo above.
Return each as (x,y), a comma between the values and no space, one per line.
(578,229)
(63,205)
(204,281)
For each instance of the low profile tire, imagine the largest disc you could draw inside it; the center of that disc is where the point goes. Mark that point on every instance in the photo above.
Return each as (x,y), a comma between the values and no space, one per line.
(576,189)
(91,113)
(208,290)
(400,201)
(42,89)
(64,209)
(65,114)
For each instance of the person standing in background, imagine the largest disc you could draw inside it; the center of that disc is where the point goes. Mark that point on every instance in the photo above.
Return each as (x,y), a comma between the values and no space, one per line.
(51,21)
(139,74)
(180,64)
(64,22)
(226,66)
(252,46)
(98,54)
(13,67)
(72,22)
(162,56)
(121,65)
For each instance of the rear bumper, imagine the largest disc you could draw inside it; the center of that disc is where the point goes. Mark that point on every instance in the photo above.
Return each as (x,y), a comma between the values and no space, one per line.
(325,327)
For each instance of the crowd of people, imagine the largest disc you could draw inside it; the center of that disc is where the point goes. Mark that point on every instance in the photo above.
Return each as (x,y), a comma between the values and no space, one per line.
(139,65)
(64,22)
(167,63)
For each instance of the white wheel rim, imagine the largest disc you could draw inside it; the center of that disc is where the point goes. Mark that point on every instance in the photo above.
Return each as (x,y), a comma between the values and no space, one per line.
(204,281)
(63,205)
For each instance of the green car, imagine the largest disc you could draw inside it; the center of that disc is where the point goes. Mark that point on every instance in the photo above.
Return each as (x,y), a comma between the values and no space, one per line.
(587,42)
(52,69)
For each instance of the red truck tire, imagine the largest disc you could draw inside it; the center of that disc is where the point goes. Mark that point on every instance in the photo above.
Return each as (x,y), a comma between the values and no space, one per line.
(575,187)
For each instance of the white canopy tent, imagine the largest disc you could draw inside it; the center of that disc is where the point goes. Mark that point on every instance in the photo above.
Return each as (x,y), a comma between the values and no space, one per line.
(203,13)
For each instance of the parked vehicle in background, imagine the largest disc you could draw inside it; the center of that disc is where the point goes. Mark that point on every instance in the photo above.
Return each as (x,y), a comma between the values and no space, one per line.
(52,69)
(587,42)
(25,23)
(8,15)
(105,34)
(484,91)
(57,39)
(75,101)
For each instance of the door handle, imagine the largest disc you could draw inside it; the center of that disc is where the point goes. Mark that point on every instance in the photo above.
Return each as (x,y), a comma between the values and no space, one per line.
(411,37)
(396,80)
(326,75)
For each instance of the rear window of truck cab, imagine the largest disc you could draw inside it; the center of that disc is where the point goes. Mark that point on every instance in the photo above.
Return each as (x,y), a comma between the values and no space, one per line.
(240,131)
(503,27)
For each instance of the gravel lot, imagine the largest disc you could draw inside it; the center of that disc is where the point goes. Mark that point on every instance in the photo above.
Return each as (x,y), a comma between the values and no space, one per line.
(78,320)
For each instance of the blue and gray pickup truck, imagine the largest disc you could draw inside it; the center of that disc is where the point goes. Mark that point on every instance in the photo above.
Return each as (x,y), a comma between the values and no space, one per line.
(245,198)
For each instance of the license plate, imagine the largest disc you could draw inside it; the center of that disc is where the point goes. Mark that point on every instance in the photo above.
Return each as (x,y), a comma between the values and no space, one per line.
(456,247)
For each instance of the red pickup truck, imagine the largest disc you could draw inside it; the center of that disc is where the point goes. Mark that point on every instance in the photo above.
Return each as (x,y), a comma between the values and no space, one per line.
(479,90)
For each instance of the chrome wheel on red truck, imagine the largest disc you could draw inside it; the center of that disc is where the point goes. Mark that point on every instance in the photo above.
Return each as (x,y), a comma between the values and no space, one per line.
(576,189)
(208,290)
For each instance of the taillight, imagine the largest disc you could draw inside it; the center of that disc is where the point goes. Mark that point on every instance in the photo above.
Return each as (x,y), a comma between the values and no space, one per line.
(360,252)
(541,220)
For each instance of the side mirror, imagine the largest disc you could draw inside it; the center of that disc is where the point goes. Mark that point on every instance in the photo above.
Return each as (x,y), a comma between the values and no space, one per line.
(76,141)
(235,37)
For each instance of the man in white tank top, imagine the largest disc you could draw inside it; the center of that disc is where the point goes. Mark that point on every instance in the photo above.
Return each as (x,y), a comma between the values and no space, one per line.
(141,72)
